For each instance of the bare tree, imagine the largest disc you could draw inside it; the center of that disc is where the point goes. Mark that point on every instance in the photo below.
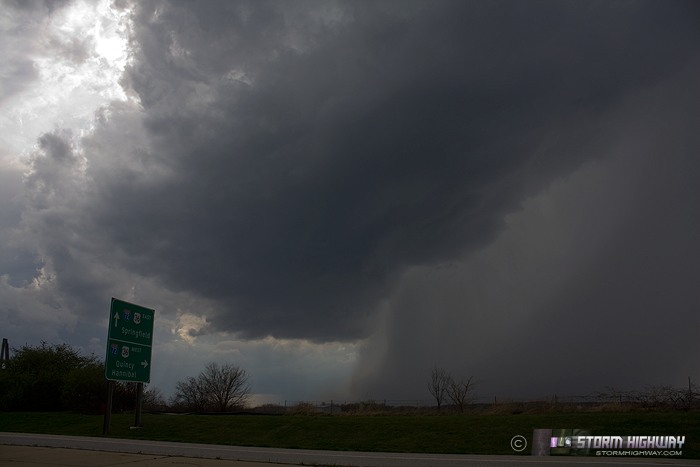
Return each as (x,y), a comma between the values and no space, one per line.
(190,395)
(218,388)
(459,392)
(438,384)
(226,386)
(153,399)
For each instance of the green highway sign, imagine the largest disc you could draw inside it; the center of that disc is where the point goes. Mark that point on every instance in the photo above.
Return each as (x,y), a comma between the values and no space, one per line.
(129,342)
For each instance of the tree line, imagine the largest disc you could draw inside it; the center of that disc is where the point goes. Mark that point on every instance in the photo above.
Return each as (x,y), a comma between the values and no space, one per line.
(59,378)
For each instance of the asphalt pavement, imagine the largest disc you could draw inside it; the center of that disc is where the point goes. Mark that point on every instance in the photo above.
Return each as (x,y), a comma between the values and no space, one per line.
(21,456)
(21,449)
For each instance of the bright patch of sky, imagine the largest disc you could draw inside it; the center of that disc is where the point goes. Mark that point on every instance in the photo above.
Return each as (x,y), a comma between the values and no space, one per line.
(79,57)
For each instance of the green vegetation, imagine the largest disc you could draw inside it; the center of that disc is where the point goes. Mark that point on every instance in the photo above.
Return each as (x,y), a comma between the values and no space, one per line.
(51,377)
(58,378)
(467,434)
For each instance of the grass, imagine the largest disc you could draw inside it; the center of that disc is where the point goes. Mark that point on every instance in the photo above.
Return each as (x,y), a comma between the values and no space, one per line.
(466,434)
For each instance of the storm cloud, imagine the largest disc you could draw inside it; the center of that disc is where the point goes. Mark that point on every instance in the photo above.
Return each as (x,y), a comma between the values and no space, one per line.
(388,173)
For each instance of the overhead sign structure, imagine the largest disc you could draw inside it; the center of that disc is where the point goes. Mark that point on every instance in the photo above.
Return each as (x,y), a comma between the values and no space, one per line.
(129,342)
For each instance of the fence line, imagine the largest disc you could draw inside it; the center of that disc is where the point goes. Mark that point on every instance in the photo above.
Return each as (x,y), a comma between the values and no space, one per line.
(660,397)
(332,406)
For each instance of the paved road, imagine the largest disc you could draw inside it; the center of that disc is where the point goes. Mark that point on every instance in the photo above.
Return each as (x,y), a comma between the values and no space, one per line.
(32,456)
(19,449)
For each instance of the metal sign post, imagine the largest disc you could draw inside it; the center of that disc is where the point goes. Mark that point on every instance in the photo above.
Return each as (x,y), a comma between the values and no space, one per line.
(139,405)
(108,409)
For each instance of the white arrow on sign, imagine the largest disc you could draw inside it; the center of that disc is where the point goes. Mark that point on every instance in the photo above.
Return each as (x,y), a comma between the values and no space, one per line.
(116,319)
(144,363)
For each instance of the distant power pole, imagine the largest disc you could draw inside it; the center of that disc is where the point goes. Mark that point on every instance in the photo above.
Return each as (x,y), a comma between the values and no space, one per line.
(4,354)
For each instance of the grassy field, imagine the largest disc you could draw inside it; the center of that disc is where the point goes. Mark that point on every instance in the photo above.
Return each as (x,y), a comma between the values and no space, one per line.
(467,434)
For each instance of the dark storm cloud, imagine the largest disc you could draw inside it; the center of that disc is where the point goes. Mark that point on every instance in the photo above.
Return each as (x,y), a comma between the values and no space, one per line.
(18,262)
(592,285)
(300,156)
(53,224)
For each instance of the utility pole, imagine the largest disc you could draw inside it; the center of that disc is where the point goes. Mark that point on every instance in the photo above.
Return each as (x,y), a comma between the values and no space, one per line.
(4,354)
(690,393)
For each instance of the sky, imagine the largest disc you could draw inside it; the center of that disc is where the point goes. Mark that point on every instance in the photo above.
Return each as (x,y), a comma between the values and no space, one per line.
(339,196)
